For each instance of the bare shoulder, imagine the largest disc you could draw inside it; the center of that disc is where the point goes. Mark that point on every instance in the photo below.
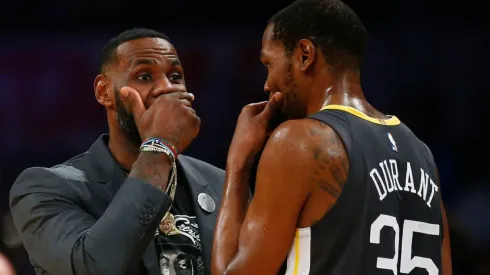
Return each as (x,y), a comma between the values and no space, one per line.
(303,129)
(315,144)
(318,138)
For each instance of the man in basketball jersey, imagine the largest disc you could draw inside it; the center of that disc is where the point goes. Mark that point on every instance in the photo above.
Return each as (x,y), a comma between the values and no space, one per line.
(340,187)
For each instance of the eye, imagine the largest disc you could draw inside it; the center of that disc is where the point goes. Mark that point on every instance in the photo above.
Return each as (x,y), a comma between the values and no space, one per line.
(144,77)
(175,77)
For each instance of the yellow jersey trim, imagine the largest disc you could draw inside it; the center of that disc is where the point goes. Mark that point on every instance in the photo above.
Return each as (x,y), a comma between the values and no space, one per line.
(393,121)
(296,256)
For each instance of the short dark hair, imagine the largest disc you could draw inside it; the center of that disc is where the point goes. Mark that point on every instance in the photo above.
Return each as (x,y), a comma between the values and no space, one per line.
(329,24)
(108,52)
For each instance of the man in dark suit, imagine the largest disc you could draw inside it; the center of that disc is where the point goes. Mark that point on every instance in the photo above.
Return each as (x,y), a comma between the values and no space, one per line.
(98,213)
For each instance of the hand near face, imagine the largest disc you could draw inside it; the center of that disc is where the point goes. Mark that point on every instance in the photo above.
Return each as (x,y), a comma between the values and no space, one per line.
(171,117)
(253,126)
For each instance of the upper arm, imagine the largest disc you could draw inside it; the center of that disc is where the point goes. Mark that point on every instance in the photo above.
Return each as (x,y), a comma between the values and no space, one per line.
(46,218)
(299,157)
(446,244)
(62,237)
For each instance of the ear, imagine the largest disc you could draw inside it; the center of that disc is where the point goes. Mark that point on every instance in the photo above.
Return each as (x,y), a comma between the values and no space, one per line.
(307,54)
(102,92)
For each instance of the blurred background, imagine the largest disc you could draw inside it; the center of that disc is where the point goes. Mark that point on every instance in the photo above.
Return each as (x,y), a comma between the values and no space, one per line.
(426,63)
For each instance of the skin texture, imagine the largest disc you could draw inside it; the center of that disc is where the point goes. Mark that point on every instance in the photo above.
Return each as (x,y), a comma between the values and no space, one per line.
(302,169)
(6,267)
(447,268)
(144,93)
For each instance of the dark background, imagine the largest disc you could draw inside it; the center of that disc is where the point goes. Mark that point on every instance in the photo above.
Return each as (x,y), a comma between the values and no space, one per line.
(427,63)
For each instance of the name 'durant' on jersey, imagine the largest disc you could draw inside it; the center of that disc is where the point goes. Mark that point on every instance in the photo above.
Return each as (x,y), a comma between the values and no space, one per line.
(387,181)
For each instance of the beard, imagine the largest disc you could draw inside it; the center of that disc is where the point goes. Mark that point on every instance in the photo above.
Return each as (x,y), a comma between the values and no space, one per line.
(126,121)
(292,107)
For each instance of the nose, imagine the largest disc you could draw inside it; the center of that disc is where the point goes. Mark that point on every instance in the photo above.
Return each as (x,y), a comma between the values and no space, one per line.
(164,86)
(267,89)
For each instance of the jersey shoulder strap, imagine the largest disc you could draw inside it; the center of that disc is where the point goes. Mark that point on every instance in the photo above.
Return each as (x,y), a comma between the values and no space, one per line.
(338,121)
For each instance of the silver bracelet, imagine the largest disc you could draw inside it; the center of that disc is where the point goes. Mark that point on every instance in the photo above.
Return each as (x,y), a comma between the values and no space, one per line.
(161,148)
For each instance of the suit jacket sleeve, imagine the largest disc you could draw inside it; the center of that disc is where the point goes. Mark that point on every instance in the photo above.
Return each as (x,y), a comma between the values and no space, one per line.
(63,239)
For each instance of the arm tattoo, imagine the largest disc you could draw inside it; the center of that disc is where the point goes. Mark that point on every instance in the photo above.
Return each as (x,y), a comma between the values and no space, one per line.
(332,163)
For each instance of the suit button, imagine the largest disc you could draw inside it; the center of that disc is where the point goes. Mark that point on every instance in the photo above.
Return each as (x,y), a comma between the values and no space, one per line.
(151,210)
(148,216)
(144,222)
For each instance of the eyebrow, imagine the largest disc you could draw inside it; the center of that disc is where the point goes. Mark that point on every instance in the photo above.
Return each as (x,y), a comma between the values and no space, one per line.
(138,62)
(176,62)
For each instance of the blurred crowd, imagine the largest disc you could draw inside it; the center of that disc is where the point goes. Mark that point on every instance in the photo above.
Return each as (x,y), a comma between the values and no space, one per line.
(424,64)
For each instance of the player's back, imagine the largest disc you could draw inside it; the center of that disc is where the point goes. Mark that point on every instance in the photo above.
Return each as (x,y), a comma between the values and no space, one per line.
(388,218)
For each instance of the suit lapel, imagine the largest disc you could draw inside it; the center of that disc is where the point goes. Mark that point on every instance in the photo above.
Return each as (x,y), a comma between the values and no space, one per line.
(206,221)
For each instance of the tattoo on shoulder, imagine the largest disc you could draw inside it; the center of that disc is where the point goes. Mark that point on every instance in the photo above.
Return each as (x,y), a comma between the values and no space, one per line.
(331,160)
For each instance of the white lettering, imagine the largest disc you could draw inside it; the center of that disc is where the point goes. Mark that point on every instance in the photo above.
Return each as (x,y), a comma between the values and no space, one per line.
(382,194)
(409,179)
(394,174)
(434,188)
(424,183)
(390,181)
(389,184)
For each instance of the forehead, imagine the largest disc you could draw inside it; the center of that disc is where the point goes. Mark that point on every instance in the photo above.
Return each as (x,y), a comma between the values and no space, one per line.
(153,48)
(270,47)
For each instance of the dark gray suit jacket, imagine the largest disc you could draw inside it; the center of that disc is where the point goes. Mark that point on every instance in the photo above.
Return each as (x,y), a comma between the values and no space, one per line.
(86,217)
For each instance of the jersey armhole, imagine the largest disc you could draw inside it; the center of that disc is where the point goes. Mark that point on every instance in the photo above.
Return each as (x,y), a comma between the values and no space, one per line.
(338,121)
(432,163)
